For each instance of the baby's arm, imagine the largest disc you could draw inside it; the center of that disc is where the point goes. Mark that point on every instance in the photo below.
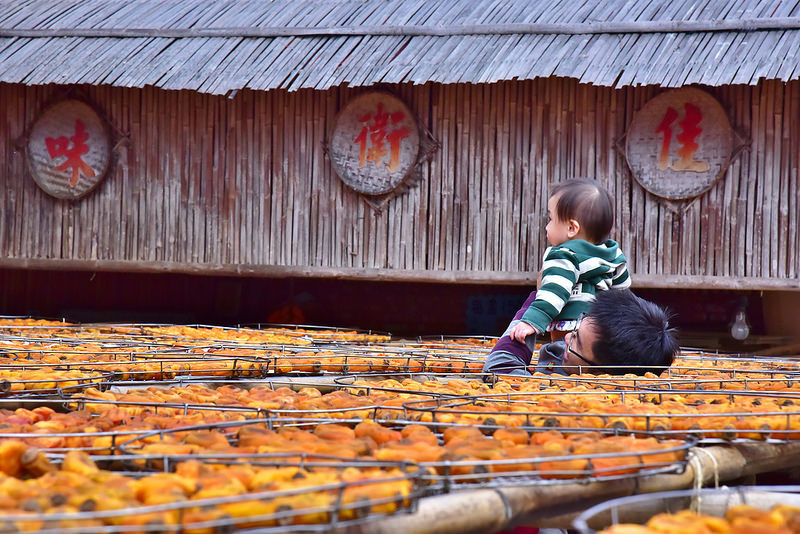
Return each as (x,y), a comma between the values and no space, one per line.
(621,278)
(559,275)
(521,331)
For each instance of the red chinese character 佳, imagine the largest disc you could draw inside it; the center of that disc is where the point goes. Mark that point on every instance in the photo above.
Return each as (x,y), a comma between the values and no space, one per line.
(687,138)
(375,133)
(60,147)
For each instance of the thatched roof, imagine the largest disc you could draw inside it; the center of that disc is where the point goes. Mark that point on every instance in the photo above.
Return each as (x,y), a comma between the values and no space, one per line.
(222,46)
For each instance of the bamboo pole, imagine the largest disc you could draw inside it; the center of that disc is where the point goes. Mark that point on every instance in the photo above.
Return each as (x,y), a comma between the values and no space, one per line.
(578,28)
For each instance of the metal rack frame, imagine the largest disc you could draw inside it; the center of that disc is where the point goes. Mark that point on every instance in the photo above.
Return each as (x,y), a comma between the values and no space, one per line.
(282,520)
(705,501)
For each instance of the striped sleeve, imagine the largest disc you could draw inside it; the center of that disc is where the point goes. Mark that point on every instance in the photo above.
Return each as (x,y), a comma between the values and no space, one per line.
(621,278)
(560,271)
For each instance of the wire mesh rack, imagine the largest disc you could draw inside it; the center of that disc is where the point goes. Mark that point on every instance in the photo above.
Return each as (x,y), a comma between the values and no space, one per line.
(763,416)
(697,510)
(155,335)
(323,334)
(564,469)
(726,374)
(477,345)
(47,380)
(146,362)
(452,455)
(725,414)
(254,399)
(219,495)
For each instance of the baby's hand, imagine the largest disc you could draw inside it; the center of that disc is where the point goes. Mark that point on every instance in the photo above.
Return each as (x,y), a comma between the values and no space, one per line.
(521,331)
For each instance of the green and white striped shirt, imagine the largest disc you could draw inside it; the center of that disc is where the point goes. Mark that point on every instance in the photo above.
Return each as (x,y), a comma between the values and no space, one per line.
(572,273)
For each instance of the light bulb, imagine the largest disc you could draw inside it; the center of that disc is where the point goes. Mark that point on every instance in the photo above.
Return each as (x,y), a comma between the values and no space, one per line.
(740,329)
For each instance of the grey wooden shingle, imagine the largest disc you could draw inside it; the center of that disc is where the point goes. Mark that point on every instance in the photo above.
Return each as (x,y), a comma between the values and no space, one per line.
(222,46)
(104,63)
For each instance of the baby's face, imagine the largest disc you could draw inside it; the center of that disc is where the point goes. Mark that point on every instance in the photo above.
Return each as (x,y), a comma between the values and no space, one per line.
(557,231)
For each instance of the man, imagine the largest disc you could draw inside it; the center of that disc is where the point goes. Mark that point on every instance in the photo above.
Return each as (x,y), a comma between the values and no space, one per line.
(621,334)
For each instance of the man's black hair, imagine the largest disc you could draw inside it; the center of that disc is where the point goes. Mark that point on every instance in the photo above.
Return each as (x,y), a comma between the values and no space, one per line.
(632,333)
(586,201)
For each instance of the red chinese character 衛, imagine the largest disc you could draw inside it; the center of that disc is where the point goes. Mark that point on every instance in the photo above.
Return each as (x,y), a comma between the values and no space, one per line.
(375,134)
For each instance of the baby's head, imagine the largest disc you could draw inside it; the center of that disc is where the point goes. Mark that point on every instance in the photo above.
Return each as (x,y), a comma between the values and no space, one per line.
(579,209)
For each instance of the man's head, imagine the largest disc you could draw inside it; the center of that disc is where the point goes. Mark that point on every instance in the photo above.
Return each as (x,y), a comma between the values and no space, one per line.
(579,208)
(623,330)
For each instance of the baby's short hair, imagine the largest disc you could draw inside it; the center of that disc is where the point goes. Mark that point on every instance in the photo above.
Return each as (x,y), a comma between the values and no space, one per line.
(586,201)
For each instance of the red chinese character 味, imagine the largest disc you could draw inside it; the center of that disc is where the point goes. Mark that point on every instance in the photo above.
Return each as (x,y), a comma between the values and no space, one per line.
(59,146)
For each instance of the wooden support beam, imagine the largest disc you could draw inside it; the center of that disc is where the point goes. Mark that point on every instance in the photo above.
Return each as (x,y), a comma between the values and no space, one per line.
(641,281)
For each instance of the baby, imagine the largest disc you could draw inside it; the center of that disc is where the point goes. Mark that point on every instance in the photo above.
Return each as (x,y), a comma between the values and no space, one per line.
(579,262)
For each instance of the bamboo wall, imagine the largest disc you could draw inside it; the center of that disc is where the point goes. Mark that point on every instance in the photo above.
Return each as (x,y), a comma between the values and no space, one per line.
(242,186)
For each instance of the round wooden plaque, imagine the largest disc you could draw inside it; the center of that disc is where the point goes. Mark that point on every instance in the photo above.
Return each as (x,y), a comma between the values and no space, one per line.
(374,143)
(679,144)
(69,150)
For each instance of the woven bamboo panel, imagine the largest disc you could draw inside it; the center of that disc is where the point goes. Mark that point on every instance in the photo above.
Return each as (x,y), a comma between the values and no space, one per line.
(242,185)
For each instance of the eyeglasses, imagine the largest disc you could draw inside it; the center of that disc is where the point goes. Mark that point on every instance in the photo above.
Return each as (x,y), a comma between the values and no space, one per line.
(572,336)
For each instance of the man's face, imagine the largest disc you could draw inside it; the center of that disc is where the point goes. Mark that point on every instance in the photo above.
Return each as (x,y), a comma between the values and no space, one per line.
(578,352)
